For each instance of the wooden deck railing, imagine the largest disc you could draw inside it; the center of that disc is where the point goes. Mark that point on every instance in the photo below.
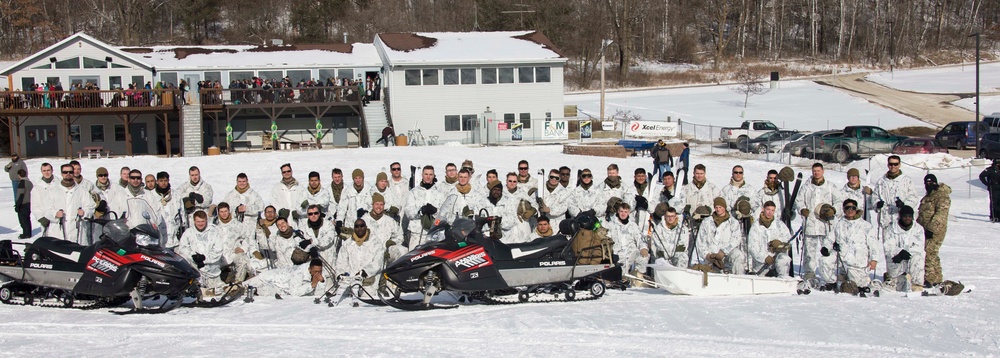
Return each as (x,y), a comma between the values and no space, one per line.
(286,95)
(38,102)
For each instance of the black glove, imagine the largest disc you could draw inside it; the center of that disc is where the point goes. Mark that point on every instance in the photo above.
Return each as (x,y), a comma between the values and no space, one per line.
(836,247)
(824,251)
(304,243)
(364,274)
(899,203)
(928,235)
(666,194)
(283,213)
(687,210)
(428,210)
(641,203)
(656,218)
(199,260)
(393,211)
(338,226)
(313,252)
(44,221)
(197,198)
(362,212)
(903,255)
(879,205)
(305,204)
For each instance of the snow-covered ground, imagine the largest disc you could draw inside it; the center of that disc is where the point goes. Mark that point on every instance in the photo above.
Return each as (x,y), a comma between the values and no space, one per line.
(634,323)
(950,79)
(987,104)
(802,105)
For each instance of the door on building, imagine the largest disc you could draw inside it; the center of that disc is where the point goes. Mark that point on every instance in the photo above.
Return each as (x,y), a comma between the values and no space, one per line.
(140,138)
(41,141)
(192,81)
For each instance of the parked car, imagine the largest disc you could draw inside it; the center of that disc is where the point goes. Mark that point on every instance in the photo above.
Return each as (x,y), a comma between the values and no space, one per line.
(796,147)
(919,146)
(738,136)
(989,147)
(856,141)
(962,134)
(771,141)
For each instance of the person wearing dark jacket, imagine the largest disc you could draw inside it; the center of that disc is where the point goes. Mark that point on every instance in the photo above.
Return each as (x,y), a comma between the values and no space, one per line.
(22,203)
(684,162)
(662,160)
(15,165)
(388,133)
(991,179)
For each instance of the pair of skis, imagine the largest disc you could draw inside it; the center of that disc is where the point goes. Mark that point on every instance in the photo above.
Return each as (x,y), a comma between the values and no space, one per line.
(787,211)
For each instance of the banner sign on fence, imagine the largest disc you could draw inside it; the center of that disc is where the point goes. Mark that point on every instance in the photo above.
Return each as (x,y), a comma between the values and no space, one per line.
(556,130)
(516,131)
(586,129)
(651,129)
(608,125)
(502,126)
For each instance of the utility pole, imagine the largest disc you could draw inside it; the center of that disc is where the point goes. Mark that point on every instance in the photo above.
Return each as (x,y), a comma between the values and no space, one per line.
(604,46)
(977,94)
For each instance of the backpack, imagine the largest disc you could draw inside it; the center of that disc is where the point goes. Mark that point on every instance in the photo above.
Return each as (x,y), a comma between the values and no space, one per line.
(592,246)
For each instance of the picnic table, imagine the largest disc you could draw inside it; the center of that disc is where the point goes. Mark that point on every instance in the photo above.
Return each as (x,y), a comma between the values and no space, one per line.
(94,152)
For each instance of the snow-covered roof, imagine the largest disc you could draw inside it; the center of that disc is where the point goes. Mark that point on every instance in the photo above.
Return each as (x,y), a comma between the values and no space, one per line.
(236,57)
(79,36)
(467,47)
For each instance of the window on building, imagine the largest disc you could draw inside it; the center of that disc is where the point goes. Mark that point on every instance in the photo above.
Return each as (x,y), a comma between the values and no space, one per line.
(548,116)
(430,77)
(542,74)
(468,76)
(270,75)
(115,65)
(489,75)
(412,77)
(526,120)
(299,76)
(452,123)
(346,73)
(69,63)
(506,75)
(92,63)
(27,83)
(467,121)
(119,132)
(115,82)
(526,75)
(327,73)
(211,76)
(140,81)
(97,133)
(83,80)
(74,133)
(46,66)
(508,118)
(170,78)
(52,80)
(240,75)
(450,76)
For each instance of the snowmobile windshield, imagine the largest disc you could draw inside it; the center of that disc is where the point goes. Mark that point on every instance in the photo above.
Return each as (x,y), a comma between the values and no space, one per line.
(443,219)
(144,223)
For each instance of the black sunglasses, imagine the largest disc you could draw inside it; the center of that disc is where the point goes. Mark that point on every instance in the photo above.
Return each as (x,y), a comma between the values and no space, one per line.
(737,172)
(846,208)
(285,171)
(554,177)
(587,176)
(564,174)
(359,226)
(894,164)
(135,178)
(314,213)
(67,172)
(395,169)
(522,168)
(102,175)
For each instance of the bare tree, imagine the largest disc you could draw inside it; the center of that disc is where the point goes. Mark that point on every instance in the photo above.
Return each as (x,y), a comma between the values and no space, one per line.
(748,83)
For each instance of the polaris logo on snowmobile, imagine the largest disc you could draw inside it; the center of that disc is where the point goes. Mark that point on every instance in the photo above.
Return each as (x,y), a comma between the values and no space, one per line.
(422,255)
(552,263)
(40,266)
(154,261)
(471,260)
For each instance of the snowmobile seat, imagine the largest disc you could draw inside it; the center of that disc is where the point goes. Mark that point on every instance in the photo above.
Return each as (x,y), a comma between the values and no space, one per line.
(58,246)
(538,248)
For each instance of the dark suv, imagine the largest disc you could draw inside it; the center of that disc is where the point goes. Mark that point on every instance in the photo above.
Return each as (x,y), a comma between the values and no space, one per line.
(989,147)
(962,134)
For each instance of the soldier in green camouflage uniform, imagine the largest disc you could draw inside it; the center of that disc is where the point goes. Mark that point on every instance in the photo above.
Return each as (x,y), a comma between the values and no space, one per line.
(933,216)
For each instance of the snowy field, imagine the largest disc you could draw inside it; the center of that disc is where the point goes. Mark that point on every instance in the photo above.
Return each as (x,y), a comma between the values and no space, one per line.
(950,79)
(987,104)
(633,323)
(802,105)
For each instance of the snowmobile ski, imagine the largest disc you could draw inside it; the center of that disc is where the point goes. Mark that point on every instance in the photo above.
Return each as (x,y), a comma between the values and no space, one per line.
(232,293)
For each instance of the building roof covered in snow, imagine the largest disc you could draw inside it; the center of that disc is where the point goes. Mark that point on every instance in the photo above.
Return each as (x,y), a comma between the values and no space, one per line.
(467,47)
(281,56)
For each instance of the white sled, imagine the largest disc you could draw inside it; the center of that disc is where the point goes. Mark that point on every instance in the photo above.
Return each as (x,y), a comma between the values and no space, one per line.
(680,281)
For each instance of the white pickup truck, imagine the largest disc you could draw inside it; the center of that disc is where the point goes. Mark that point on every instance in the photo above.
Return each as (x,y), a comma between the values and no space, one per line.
(737,137)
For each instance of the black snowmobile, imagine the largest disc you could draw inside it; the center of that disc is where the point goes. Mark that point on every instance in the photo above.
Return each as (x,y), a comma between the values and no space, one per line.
(458,257)
(126,263)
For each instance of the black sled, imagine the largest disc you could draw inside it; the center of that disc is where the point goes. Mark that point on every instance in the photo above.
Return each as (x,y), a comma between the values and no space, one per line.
(127,262)
(459,258)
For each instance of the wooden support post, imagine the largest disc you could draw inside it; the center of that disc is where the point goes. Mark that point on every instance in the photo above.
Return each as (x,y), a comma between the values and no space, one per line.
(69,139)
(166,129)
(128,133)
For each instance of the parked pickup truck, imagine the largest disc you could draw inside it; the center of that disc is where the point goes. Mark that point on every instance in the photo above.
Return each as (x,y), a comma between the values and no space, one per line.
(738,137)
(853,142)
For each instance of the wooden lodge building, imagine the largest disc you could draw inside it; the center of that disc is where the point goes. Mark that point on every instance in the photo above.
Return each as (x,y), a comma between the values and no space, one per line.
(83,97)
